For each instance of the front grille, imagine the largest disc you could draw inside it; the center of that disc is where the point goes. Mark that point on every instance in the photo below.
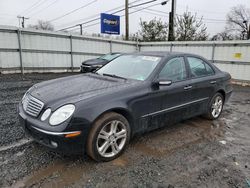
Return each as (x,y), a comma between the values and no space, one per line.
(31,105)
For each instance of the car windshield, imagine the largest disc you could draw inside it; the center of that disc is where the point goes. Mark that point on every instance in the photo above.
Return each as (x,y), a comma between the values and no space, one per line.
(137,67)
(109,57)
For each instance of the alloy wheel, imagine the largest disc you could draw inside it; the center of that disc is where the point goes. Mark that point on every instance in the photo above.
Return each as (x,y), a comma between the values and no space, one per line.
(217,106)
(111,139)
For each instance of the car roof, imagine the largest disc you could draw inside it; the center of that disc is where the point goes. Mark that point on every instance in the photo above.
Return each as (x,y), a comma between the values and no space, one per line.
(161,53)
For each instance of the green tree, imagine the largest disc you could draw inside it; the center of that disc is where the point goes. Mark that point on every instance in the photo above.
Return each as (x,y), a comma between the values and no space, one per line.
(190,28)
(154,30)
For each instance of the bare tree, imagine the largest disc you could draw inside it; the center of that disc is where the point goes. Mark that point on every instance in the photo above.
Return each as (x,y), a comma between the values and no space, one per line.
(238,21)
(42,25)
(224,35)
(190,28)
(154,30)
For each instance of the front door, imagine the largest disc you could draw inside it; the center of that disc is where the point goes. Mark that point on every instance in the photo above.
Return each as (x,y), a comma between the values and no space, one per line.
(175,98)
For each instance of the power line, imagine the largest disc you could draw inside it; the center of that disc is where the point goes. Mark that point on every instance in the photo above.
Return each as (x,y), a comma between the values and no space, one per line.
(98,15)
(199,10)
(124,14)
(70,12)
(111,13)
(33,7)
(30,7)
(210,19)
(49,5)
(152,13)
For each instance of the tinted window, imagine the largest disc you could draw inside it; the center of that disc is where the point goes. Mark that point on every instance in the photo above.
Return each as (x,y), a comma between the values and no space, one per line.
(198,67)
(174,70)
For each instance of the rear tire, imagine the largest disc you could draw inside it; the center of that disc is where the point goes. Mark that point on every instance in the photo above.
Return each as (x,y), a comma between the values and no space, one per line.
(215,107)
(108,137)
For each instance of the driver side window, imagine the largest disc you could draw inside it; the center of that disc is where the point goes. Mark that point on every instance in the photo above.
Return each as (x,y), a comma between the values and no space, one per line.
(174,70)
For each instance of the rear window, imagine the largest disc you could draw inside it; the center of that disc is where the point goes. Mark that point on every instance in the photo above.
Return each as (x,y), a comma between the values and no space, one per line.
(199,68)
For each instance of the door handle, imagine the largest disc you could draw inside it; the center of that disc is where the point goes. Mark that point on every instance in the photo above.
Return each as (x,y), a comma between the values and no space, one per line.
(213,82)
(187,87)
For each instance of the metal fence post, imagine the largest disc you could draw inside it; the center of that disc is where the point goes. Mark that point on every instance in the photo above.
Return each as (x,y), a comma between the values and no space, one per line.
(71,54)
(213,51)
(20,50)
(110,46)
(171,47)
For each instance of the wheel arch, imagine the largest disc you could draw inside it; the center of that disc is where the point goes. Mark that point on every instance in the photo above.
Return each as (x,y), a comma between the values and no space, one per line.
(222,92)
(122,111)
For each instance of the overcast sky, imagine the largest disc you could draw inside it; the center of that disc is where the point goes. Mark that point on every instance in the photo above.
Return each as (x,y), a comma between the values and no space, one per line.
(213,11)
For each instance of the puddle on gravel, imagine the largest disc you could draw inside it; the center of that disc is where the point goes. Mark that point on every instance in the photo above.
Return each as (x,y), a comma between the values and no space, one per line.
(120,162)
(58,174)
(184,134)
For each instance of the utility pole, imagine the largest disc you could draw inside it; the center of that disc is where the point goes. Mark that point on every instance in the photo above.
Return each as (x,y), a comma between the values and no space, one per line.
(23,19)
(171,21)
(126,21)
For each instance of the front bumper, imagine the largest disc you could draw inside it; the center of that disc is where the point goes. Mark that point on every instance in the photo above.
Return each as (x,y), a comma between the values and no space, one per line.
(54,140)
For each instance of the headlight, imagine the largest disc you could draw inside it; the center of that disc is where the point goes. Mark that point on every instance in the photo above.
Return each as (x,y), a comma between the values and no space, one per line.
(46,114)
(62,114)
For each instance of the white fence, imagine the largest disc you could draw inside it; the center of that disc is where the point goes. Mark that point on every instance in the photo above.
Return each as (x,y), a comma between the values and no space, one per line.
(229,56)
(36,51)
(29,51)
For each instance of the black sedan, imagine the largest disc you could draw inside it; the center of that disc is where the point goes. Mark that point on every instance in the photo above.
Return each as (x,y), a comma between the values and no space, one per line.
(92,65)
(98,113)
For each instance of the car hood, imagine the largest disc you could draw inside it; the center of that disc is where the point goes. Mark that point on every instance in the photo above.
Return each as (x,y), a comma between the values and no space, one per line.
(72,89)
(95,62)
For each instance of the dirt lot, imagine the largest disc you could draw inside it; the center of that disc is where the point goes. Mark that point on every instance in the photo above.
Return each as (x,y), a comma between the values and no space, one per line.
(193,153)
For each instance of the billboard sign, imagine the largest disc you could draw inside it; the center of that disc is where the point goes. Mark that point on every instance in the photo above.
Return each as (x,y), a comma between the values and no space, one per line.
(110,24)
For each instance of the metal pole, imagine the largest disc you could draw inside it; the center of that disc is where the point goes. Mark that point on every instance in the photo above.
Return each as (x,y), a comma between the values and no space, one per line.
(20,50)
(171,47)
(71,54)
(81,29)
(126,21)
(137,44)
(110,46)
(213,51)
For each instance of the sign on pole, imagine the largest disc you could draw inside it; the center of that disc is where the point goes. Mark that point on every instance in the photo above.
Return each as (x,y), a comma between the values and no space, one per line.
(110,24)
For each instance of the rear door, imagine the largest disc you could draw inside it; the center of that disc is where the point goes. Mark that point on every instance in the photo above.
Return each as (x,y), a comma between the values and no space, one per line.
(203,84)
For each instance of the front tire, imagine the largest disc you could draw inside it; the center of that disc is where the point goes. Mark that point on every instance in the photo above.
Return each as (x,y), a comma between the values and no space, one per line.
(215,107)
(108,137)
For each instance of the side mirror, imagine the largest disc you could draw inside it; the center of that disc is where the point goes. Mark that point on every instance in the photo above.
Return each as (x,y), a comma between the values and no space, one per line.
(164,82)
(161,82)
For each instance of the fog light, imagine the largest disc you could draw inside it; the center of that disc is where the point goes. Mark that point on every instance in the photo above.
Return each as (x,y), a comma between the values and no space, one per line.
(46,114)
(54,144)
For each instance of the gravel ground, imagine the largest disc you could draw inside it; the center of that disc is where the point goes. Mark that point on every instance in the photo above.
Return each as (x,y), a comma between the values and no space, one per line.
(193,153)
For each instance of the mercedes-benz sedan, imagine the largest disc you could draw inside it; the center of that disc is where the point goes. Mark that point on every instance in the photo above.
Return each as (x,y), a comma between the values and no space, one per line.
(98,113)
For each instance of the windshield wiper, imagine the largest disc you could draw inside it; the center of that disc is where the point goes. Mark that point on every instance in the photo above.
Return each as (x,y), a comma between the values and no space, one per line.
(114,76)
